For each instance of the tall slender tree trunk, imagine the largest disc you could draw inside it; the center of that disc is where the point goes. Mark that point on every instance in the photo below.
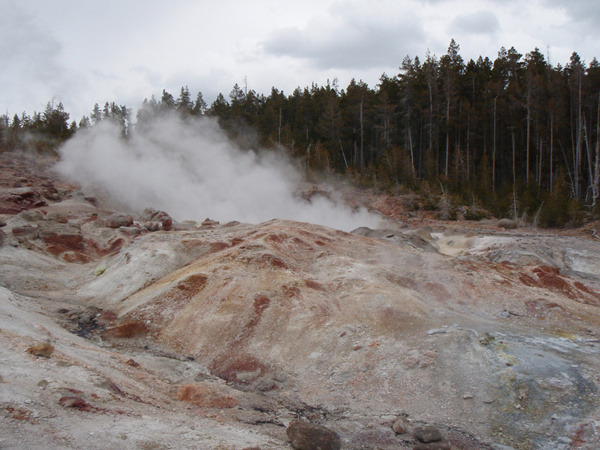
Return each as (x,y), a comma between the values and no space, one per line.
(447,134)
(578,147)
(514,157)
(362,139)
(528,136)
(588,147)
(430,116)
(494,149)
(540,159)
(596,183)
(551,149)
(410,145)
(279,138)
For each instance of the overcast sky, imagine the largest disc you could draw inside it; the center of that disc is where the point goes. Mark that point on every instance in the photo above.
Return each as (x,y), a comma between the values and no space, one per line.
(83,52)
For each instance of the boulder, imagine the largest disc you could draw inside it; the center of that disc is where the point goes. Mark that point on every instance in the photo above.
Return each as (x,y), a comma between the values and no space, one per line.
(31,216)
(62,237)
(400,425)
(427,434)
(152,226)
(507,224)
(309,436)
(25,232)
(153,215)
(130,231)
(435,446)
(376,437)
(22,192)
(118,220)
(209,223)
(42,349)
(57,217)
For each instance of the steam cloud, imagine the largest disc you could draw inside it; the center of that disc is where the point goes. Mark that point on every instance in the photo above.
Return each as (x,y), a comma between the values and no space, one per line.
(192,171)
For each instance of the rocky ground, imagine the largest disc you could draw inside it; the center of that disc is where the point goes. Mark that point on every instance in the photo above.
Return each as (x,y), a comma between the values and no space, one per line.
(133,330)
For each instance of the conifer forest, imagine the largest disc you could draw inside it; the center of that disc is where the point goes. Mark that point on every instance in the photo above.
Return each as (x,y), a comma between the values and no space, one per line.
(514,136)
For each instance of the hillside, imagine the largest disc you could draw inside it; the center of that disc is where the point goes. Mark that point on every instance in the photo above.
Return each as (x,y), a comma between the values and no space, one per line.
(167,334)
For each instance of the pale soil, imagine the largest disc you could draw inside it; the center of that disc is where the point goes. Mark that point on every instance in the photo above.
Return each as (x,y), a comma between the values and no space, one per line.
(219,336)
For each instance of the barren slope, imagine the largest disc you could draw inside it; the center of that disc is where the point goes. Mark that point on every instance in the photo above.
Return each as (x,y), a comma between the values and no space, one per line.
(221,334)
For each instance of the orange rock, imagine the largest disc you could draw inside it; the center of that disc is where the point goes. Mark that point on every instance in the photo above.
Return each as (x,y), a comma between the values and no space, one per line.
(42,349)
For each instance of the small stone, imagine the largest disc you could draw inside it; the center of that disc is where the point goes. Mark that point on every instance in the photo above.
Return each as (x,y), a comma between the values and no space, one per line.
(427,434)
(507,224)
(436,331)
(25,232)
(118,220)
(433,446)
(209,223)
(130,231)
(31,216)
(400,425)
(468,396)
(42,349)
(131,362)
(42,384)
(152,226)
(304,435)
(57,217)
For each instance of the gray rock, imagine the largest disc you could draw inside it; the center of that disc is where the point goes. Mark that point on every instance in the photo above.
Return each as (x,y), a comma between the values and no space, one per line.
(152,226)
(308,436)
(130,231)
(118,220)
(22,192)
(31,216)
(57,217)
(436,331)
(25,232)
(427,434)
(400,425)
(375,437)
(153,215)
(508,224)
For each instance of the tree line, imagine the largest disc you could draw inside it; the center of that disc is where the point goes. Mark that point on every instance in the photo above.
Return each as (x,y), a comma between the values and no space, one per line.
(516,135)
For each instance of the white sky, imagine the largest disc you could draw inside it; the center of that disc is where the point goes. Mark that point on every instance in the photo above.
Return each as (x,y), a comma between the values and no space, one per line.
(83,52)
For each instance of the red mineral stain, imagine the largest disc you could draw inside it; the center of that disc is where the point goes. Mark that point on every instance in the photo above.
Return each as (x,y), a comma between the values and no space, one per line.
(271,260)
(315,285)
(204,397)
(290,291)
(527,280)
(127,330)
(192,284)
(218,246)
